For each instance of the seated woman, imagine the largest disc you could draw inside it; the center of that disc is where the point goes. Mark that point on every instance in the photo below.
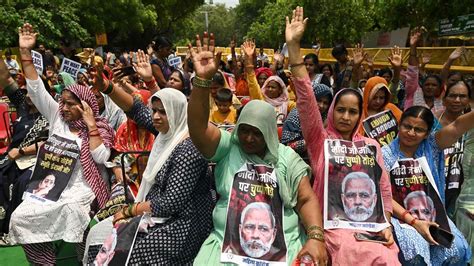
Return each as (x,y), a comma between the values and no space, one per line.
(415,140)
(464,213)
(273,90)
(262,185)
(131,137)
(377,99)
(179,80)
(175,185)
(343,123)
(292,135)
(16,164)
(311,62)
(35,224)
(431,87)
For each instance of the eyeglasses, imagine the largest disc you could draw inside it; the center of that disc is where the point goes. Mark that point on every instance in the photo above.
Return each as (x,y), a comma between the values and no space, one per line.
(454,96)
(408,128)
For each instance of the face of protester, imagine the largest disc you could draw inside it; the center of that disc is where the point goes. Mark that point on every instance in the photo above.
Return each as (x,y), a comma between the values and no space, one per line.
(358,199)
(387,77)
(71,106)
(346,114)
(430,87)
(160,120)
(274,90)
(214,88)
(457,99)
(377,102)
(323,104)
(175,82)
(251,140)
(420,209)
(47,183)
(257,233)
(82,79)
(100,100)
(41,49)
(413,130)
(164,52)
(326,71)
(342,58)
(106,253)
(310,66)
(223,107)
(261,79)
(453,79)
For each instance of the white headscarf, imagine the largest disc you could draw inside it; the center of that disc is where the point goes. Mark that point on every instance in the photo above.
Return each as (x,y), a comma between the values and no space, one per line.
(176,107)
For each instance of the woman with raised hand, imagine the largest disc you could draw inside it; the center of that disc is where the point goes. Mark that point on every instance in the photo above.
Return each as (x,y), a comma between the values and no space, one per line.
(416,140)
(35,225)
(272,91)
(263,186)
(175,186)
(343,124)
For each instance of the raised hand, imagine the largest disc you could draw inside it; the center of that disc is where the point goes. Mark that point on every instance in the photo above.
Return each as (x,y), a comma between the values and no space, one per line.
(205,61)
(426,58)
(358,54)
(27,37)
(370,61)
(415,36)
(458,52)
(143,66)
(396,57)
(248,48)
(296,26)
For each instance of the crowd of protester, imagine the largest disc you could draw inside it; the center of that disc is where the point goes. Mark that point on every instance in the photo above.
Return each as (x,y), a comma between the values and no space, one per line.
(175,146)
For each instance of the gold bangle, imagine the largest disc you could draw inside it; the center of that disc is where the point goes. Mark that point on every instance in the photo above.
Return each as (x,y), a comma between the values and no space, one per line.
(201,83)
(314,227)
(316,236)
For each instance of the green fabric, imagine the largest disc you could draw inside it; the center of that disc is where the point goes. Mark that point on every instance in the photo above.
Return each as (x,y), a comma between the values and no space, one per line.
(67,80)
(465,202)
(290,168)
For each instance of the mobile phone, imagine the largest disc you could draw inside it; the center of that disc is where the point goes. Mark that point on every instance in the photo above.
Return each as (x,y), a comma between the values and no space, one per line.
(128,70)
(443,237)
(370,237)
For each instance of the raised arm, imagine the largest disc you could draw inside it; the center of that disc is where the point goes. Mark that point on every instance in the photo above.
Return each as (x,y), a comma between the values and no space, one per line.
(358,56)
(204,135)
(457,53)
(311,121)
(43,101)
(249,53)
(415,37)
(411,84)
(396,60)
(452,132)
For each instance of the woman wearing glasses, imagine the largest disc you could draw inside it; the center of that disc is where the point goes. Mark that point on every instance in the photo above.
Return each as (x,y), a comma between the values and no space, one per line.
(415,140)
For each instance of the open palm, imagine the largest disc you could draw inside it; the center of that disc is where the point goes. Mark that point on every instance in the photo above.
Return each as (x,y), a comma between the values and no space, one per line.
(143,66)
(27,36)
(457,53)
(396,57)
(204,59)
(249,49)
(296,26)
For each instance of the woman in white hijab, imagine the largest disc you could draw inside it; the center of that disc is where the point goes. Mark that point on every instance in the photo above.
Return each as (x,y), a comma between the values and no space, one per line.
(175,185)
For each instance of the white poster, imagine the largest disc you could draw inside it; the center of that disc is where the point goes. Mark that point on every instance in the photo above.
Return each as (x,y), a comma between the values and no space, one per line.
(71,67)
(37,61)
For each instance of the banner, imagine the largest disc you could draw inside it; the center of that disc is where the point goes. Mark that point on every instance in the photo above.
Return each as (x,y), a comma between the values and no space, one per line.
(254,228)
(413,187)
(175,61)
(352,193)
(54,166)
(382,127)
(71,67)
(37,61)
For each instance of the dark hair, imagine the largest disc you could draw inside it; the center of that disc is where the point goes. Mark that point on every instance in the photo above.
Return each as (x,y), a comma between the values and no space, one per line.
(330,68)
(184,77)
(281,73)
(338,50)
(224,95)
(325,80)
(455,73)
(312,57)
(438,79)
(161,42)
(448,88)
(385,70)
(219,79)
(347,92)
(419,112)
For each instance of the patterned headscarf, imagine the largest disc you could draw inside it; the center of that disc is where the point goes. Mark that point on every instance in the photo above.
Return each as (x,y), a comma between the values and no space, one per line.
(89,168)
(281,102)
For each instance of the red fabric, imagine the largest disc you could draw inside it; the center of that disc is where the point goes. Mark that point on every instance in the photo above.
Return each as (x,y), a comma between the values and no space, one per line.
(89,167)
(241,87)
(265,70)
